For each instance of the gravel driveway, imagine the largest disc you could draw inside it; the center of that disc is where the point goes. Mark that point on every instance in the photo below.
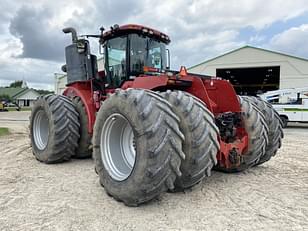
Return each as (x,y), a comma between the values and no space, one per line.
(67,196)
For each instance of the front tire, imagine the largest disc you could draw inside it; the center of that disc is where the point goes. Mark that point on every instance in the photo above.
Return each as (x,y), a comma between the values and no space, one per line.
(54,129)
(146,163)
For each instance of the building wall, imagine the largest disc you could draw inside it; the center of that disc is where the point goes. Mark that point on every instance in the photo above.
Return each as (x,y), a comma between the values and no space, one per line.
(60,82)
(31,95)
(27,99)
(25,102)
(293,71)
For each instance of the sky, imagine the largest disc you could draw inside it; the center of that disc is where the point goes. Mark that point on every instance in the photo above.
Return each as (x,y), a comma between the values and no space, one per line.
(32,42)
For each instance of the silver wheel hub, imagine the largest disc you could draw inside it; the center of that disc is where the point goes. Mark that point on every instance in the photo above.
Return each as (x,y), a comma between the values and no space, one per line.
(117,144)
(40,129)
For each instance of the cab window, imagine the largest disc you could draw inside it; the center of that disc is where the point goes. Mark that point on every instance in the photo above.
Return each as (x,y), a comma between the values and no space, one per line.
(116,64)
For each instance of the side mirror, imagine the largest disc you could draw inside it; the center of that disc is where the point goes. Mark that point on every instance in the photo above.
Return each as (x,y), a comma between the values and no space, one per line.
(63,68)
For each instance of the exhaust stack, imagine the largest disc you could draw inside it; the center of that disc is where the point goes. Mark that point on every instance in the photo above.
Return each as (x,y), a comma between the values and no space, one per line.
(73,31)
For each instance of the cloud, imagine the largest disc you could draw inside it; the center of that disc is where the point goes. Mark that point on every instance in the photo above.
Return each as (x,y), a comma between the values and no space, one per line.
(204,45)
(293,41)
(201,29)
(7,11)
(110,12)
(39,39)
(32,43)
(34,72)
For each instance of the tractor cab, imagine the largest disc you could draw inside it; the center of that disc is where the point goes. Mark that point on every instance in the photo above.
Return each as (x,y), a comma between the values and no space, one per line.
(131,51)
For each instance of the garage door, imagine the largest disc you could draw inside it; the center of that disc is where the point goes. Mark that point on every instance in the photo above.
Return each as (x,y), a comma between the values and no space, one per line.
(252,81)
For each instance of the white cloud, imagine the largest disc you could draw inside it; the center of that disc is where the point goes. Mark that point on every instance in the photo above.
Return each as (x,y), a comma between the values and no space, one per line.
(257,38)
(201,29)
(293,41)
(34,72)
(10,48)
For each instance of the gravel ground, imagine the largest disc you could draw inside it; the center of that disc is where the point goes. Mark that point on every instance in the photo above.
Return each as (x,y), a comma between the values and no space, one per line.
(35,196)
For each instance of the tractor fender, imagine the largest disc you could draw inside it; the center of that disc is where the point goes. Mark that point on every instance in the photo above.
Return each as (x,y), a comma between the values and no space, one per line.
(84,91)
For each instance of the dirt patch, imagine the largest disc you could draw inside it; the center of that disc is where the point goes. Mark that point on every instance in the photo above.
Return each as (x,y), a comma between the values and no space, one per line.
(68,196)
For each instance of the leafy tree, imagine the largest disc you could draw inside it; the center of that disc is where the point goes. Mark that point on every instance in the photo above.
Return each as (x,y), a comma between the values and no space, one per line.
(44,92)
(5,98)
(17,83)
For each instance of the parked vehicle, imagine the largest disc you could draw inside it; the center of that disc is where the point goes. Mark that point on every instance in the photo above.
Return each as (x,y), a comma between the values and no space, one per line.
(13,106)
(3,107)
(291,104)
(6,106)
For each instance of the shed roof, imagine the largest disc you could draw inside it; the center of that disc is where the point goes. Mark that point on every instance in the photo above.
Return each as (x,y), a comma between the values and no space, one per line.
(248,46)
(25,92)
(12,91)
(15,92)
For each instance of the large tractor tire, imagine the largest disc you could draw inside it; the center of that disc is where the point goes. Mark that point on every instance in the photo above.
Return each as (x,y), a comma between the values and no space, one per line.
(137,146)
(284,121)
(257,130)
(54,129)
(84,145)
(201,143)
(275,133)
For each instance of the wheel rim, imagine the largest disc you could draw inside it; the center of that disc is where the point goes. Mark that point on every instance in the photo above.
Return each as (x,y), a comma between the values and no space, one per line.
(41,130)
(117,144)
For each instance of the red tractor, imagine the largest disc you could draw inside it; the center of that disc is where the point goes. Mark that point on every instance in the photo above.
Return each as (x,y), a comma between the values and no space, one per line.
(148,128)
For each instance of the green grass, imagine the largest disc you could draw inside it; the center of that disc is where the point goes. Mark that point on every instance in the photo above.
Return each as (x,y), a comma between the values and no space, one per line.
(25,109)
(21,109)
(4,131)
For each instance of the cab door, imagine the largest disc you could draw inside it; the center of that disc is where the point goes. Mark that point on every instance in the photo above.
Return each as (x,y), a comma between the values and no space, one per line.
(305,110)
(291,111)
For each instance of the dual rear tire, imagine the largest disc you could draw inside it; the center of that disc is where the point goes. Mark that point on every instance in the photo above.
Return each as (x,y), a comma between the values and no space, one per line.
(59,129)
(274,124)
(84,149)
(257,130)
(54,129)
(264,128)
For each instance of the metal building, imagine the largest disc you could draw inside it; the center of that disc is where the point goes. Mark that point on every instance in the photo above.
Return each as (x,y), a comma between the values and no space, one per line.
(254,70)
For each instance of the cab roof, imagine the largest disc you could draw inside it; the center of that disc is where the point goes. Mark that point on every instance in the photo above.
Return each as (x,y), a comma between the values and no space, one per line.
(116,31)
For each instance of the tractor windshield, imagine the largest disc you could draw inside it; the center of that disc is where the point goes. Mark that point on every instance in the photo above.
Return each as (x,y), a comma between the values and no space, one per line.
(148,52)
(128,55)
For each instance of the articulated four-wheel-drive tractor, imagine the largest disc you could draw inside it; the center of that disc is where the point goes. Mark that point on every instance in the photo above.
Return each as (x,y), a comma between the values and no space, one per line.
(149,129)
